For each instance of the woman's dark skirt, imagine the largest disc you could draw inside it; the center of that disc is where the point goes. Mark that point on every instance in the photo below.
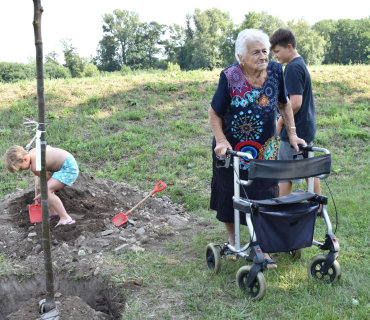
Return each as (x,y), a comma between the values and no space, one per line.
(222,191)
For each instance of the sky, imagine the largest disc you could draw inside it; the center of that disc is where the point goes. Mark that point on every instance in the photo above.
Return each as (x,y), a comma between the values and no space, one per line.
(82,23)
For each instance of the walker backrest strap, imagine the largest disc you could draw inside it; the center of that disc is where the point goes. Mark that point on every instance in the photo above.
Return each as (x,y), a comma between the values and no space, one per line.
(289,169)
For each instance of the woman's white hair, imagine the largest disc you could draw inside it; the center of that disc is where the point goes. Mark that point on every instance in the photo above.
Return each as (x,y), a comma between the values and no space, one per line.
(246,36)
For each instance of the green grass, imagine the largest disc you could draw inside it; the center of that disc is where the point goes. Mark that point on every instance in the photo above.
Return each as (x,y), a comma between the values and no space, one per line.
(146,127)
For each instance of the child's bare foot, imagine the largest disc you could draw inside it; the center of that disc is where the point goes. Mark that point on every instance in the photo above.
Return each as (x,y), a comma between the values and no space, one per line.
(65,219)
(52,214)
(65,223)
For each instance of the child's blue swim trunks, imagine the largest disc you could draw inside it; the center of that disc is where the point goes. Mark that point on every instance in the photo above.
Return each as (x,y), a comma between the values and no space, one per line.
(68,173)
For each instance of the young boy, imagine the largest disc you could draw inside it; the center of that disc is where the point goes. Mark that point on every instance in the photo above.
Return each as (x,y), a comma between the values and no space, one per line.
(298,85)
(61,168)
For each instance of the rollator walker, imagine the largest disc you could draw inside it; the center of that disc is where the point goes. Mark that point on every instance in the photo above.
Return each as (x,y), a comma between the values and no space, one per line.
(283,224)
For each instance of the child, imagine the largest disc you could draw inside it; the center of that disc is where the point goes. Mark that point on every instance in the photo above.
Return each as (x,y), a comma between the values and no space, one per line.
(61,168)
(298,85)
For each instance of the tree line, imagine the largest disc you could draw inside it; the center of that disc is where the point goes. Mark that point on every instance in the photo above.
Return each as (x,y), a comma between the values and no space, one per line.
(205,41)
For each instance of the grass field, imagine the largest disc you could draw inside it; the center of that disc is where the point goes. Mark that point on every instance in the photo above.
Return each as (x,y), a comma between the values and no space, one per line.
(147,127)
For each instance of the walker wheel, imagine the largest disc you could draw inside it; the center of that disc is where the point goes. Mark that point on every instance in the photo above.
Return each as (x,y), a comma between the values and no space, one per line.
(258,288)
(213,257)
(314,269)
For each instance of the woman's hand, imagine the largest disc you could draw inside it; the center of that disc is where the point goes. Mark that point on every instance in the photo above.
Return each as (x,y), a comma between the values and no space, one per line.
(221,147)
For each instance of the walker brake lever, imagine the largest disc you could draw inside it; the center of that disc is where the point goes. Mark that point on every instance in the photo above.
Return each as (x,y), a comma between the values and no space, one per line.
(227,161)
(224,163)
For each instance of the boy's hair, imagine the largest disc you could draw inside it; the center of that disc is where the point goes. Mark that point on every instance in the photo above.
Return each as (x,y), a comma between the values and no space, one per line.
(13,156)
(283,37)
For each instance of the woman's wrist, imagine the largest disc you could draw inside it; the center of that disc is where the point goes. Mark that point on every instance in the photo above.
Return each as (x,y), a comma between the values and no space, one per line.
(218,141)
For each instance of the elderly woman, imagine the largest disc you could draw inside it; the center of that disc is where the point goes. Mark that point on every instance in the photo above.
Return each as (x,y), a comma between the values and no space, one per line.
(243,117)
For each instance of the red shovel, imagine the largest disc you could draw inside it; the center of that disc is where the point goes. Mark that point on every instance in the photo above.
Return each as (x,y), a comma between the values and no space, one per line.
(121,218)
(35,210)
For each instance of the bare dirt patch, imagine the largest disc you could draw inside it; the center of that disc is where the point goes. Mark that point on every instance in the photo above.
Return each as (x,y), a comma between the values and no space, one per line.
(79,250)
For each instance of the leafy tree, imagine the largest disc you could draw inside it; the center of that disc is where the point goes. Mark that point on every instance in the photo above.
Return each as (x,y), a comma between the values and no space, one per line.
(364,47)
(122,26)
(174,43)
(227,45)
(153,33)
(364,40)
(186,51)
(145,47)
(107,54)
(208,38)
(263,21)
(326,28)
(348,39)
(310,45)
(52,57)
(73,61)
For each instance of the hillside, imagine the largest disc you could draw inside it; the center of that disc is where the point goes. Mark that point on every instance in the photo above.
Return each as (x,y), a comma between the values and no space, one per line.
(145,127)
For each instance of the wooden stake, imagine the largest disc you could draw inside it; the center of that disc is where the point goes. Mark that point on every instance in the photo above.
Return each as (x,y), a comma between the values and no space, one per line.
(50,299)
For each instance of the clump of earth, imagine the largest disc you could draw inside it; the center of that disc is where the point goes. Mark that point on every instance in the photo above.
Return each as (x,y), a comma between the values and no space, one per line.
(79,250)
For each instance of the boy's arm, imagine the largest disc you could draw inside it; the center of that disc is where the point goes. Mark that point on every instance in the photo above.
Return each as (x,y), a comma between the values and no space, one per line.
(293,82)
(296,102)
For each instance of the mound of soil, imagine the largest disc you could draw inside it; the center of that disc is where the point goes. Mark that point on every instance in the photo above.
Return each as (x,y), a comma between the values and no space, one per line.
(79,250)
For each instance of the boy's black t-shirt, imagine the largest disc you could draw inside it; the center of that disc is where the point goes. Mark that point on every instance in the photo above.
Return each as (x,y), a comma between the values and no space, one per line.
(298,82)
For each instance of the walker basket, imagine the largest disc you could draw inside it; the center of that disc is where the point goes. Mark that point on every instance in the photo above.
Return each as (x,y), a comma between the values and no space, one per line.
(285,227)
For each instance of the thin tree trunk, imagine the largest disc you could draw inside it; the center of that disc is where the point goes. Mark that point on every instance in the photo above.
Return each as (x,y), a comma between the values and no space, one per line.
(50,300)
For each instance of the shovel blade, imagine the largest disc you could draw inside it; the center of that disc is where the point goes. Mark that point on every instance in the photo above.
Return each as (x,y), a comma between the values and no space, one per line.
(35,212)
(120,219)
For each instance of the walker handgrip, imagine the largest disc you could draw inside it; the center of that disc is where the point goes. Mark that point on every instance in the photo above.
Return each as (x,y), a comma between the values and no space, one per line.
(232,152)
(157,187)
(303,147)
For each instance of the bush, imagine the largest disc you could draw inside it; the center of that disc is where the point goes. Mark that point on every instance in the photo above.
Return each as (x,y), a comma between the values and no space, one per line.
(12,72)
(125,70)
(173,67)
(55,71)
(91,70)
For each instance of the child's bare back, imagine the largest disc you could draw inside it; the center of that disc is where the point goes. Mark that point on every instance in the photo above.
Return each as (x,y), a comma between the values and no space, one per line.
(55,158)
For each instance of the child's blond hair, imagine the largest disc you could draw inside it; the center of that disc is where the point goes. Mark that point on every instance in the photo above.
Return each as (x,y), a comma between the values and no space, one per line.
(13,156)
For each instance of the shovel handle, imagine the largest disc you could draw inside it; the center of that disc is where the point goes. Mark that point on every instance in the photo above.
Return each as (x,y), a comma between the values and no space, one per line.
(146,198)
(158,187)
(36,187)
